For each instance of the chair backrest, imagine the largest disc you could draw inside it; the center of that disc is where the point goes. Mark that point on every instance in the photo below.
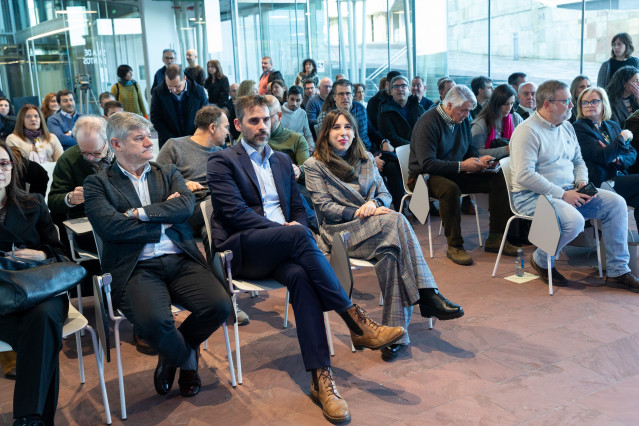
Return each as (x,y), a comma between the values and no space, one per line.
(403,153)
(98,245)
(505,169)
(207,211)
(545,230)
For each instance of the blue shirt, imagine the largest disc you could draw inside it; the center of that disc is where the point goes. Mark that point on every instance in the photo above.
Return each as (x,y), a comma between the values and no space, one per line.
(268,191)
(165,245)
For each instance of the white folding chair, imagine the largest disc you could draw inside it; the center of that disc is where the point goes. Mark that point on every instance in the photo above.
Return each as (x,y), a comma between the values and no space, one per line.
(103,284)
(79,226)
(403,153)
(545,232)
(73,325)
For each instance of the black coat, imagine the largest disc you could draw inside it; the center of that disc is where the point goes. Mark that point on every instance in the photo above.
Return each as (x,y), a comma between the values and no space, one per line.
(392,124)
(620,112)
(372,108)
(218,91)
(7,124)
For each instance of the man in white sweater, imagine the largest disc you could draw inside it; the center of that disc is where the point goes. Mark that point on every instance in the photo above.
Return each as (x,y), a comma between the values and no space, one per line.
(546,160)
(294,118)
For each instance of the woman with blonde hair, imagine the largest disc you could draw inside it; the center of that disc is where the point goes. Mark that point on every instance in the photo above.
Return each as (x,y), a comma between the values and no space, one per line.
(32,136)
(349,195)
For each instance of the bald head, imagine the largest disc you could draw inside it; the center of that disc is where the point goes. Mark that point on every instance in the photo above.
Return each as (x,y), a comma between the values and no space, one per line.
(191,57)
(275,110)
(233,90)
(326,84)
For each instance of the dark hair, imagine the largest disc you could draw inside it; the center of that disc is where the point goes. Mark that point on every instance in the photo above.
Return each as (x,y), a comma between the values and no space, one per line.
(625,39)
(15,194)
(123,70)
(514,77)
(575,85)
(45,105)
(19,128)
(295,90)
(308,80)
(492,112)
(312,62)
(207,115)
(3,98)
(329,102)
(619,79)
(174,70)
(358,85)
(218,69)
(391,75)
(63,92)
(105,95)
(282,85)
(244,103)
(479,83)
(112,104)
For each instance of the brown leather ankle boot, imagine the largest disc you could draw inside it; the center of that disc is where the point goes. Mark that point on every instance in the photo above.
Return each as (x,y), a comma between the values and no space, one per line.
(324,392)
(366,333)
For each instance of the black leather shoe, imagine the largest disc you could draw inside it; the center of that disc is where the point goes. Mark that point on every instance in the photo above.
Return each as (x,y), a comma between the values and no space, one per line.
(557,279)
(29,421)
(164,376)
(142,346)
(391,352)
(436,305)
(189,380)
(626,281)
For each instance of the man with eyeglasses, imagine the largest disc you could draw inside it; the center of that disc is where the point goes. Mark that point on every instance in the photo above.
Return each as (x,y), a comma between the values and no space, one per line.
(526,97)
(258,214)
(314,105)
(168,57)
(174,104)
(384,94)
(398,115)
(546,161)
(309,91)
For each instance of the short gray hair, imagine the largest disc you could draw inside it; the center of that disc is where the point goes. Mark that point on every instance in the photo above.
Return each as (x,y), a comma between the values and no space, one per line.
(459,95)
(89,123)
(399,77)
(547,89)
(524,84)
(121,124)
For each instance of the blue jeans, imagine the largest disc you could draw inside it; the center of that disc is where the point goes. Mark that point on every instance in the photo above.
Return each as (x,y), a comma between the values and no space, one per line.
(607,206)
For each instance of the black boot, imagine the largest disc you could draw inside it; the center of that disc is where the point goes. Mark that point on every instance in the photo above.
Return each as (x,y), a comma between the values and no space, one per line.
(433,304)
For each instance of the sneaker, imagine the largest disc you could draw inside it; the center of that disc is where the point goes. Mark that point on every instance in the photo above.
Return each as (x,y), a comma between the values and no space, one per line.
(459,256)
(242,317)
(626,281)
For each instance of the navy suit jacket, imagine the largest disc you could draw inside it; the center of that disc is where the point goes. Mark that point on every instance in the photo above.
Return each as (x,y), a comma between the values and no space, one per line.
(598,159)
(237,201)
(108,194)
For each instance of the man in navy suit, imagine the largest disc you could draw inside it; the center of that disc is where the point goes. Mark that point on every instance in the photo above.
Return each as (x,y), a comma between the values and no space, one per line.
(140,211)
(258,214)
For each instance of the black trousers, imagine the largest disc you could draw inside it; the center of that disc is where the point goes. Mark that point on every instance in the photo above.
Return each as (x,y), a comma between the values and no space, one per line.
(448,189)
(155,284)
(36,335)
(628,188)
(290,255)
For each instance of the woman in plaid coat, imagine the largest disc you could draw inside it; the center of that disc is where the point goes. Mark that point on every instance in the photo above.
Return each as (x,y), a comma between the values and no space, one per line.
(349,195)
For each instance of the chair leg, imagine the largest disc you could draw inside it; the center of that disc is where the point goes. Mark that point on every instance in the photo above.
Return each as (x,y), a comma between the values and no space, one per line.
(381,299)
(288,297)
(501,247)
(238,358)
(441,226)
(118,354)
(99,360)
(477,219)
(595,225)
(206,345)
(78,345)
(79,289)
(229,355)
(329,335)
(430,323)
(549,276)
(430,238)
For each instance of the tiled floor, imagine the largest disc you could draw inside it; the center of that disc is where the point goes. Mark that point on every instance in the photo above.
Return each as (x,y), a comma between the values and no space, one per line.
(518,356)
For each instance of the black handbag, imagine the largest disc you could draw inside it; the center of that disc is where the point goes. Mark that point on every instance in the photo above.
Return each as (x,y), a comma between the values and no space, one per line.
(24,283)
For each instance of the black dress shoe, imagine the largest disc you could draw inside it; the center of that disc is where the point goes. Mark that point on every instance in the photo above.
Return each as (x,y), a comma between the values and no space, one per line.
(557,279)
(164,376)
(189,380)
(391,352)
(436,305)
(29,421)
(626,281)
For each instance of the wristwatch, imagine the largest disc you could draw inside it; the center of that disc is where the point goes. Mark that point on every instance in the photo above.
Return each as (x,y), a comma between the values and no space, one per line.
(68,199)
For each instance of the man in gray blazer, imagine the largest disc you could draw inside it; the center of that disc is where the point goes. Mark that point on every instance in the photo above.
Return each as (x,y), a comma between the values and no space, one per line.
(140,211)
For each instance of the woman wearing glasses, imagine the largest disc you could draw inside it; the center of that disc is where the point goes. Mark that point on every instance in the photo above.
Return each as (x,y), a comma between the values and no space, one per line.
(32,136)
(36,333)
(605,147)
(622,49)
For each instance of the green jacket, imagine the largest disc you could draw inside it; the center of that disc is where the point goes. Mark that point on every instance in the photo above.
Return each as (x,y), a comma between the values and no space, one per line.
(292,144)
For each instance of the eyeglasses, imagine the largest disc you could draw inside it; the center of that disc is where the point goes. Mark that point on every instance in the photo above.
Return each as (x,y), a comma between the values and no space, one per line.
(6,165)
(344,94)
(594,103)
(89,155)
(563,101)
(327,87)
(170,58)
(400,86)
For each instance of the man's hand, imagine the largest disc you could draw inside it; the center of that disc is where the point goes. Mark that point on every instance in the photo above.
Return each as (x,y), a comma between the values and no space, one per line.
(367,209)
(297,171)
(292,223)
(77,195)
(386,146)
(379,162)
(193,186)
(473,164)
(31,254)
(174,195)
(575,198)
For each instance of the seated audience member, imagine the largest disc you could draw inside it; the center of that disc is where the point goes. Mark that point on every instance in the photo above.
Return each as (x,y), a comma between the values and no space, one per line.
(398,115)
(111,108)
(217,84)
(605,147)
(541,166)
(32,136)
(483,89)
(35,333)
(492,128)
(349,195)
(246,88)
(578,85)
(31,173)
(259,215)
(444,84)
(384,94)
(106,97)
(418,88)
(174,104)
(516,79)
(233,91)
(49,105)
(140,211)
(623,92)
(315,104)
(128,91)
(621,56)
(526,99)
(294,118)
(310,90)
(7,119)
(360,93)
(278,89)
(61,123)
(441,145)
(309,72)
